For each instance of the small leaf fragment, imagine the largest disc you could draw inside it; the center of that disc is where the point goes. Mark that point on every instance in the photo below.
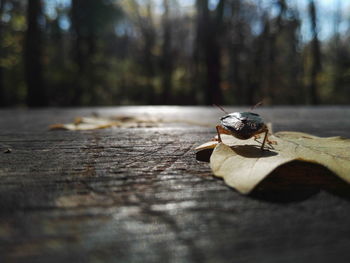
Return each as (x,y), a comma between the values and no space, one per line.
(8,150)
(207,145)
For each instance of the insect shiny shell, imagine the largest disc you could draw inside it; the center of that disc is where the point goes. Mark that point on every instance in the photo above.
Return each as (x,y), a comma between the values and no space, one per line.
(243,125)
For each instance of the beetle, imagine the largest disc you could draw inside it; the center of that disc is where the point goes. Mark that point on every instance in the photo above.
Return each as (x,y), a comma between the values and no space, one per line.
(242,125)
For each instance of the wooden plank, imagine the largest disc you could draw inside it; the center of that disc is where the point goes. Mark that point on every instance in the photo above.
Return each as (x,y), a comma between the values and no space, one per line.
(139,195)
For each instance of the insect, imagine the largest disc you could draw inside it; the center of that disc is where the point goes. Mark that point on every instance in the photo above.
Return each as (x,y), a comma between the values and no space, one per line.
(242,125)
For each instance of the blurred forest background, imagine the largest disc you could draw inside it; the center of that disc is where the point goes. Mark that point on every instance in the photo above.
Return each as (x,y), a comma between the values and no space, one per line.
(123,52)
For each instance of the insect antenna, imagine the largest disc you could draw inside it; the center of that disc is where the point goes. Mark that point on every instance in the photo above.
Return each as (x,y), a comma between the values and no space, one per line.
(256,105)
(221,108)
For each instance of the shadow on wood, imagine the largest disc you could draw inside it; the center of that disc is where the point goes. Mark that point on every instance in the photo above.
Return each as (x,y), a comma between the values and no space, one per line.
(204,155)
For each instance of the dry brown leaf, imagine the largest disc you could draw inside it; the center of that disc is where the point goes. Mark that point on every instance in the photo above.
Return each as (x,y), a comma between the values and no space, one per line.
(94,123)
(243,165)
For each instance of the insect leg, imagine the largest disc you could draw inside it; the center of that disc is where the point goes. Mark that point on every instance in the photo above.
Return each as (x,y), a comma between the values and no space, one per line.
(218,131)
(265,137)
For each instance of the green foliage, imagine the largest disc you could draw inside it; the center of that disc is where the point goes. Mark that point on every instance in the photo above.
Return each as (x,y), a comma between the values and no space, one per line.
(135,52)
(11,50)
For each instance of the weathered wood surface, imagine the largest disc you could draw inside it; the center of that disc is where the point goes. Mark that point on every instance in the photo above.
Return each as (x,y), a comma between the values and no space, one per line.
(139,195)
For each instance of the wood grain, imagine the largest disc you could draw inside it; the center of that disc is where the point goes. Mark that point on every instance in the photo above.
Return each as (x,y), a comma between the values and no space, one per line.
(140,195)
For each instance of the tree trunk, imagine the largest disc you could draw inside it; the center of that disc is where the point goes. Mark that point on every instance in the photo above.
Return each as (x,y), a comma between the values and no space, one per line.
(2,92)
(213,54)
(167,58)
(236,48)
(315,56)
(199,80)
(273,53)
(78,54)
(33,56)
(209,28)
